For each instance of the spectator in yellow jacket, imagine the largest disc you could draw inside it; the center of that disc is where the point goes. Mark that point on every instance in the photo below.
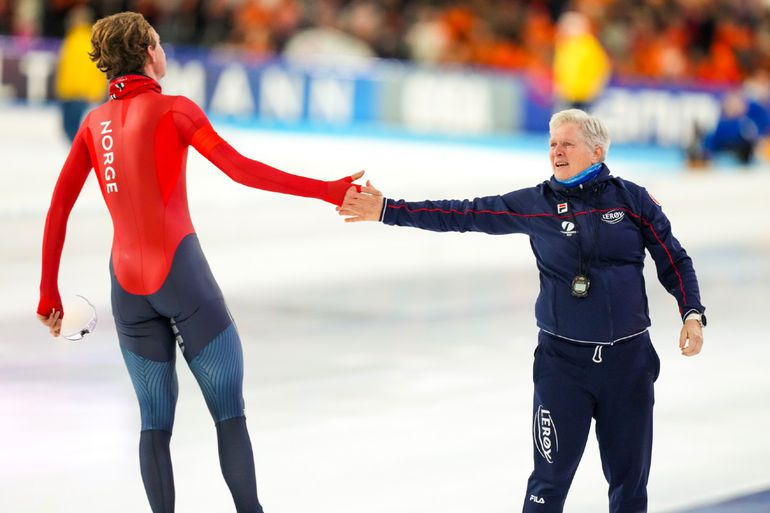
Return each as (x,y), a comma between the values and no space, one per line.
(581,66)
(78,81)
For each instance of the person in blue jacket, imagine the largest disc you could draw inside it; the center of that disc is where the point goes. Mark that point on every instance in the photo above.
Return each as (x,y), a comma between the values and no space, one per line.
(742,125)
(594,360)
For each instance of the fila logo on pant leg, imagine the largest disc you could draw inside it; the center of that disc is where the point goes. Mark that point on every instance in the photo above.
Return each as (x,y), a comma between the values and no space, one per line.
(544,434)
(536,499)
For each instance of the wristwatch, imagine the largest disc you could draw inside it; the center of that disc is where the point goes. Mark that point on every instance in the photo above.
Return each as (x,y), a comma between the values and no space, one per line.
(701,318)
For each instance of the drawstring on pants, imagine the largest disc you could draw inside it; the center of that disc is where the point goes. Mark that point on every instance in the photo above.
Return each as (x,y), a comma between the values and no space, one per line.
(597,354)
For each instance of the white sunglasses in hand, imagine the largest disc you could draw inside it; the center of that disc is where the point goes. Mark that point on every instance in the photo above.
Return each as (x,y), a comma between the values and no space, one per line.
(80,320)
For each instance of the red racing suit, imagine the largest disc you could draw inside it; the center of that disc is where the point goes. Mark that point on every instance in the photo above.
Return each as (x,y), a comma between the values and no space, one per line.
(137,144)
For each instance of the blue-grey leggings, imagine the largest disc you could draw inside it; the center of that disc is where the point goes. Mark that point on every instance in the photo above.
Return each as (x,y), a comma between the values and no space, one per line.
(187,311)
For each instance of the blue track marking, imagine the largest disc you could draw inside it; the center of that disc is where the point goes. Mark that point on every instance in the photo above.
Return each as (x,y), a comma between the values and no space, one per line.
(758,502)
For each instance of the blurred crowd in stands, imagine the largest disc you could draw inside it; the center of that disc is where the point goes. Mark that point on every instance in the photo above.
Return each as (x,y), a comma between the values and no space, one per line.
(662,40)
(570,48)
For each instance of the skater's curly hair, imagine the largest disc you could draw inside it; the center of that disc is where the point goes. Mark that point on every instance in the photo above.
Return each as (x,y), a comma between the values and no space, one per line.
(119,43)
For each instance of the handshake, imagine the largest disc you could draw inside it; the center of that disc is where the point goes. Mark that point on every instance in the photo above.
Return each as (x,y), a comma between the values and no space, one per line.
(361,203)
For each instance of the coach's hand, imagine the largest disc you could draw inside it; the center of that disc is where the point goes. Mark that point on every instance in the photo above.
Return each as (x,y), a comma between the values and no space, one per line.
(691,338)
(362,206)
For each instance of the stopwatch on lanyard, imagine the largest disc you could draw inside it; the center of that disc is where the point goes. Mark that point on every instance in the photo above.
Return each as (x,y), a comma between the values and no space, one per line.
(581,283)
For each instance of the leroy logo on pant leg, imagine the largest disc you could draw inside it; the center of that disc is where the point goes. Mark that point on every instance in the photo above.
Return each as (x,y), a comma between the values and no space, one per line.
(544,434)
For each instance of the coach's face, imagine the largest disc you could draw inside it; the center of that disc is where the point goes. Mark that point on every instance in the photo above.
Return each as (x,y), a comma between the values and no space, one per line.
(570,153)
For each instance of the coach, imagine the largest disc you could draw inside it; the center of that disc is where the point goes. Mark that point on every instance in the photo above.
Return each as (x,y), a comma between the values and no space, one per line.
(594,359)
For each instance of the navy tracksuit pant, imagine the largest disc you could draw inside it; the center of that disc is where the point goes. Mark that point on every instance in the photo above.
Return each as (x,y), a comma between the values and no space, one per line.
(575,383)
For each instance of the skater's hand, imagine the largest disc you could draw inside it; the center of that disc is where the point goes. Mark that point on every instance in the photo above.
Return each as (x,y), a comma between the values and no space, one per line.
(337,189)
(52,321)
(362,206)
(691,338)
(356,176)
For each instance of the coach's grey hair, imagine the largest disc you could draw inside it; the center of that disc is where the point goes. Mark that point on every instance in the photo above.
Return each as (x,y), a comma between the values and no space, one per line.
(593,130)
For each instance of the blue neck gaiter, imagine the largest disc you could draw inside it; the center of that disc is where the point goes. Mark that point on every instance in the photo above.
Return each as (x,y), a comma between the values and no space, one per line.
(583,176)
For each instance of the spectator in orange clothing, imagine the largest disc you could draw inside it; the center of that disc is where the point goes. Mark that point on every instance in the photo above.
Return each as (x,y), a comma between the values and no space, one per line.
(460,22)
(252,27)
(722,64)
(539,35)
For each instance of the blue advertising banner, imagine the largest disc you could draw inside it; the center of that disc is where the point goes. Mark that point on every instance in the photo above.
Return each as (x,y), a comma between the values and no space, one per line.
(395,95)
(661,115)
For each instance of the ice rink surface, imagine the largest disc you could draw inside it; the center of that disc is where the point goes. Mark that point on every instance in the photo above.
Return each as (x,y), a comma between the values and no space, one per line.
(387,369)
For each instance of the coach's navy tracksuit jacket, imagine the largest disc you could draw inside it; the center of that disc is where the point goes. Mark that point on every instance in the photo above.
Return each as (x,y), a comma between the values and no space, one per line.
(628,220)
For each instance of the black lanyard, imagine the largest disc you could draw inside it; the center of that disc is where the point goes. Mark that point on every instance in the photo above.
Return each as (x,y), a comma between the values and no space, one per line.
(582,282)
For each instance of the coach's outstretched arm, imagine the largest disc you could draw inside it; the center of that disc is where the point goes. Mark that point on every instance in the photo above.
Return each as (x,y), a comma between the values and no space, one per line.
(495,215)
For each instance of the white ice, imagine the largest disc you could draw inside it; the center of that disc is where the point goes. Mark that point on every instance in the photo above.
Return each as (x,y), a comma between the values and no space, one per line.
(387,369)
